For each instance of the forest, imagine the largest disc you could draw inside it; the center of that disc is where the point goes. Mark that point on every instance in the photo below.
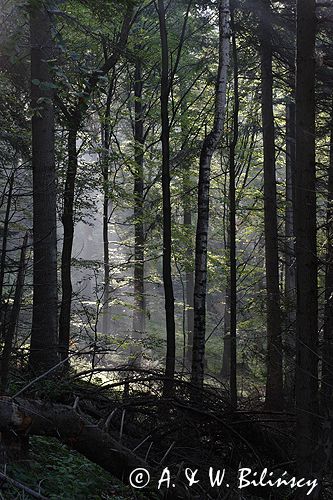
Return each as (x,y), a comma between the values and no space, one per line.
(166,262)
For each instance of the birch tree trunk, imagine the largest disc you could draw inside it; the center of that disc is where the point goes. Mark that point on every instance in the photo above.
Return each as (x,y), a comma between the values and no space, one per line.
(209,146)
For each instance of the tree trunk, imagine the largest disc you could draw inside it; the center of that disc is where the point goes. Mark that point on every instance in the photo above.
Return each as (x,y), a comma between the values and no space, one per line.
(209,146)
(274,381)
(187,221)
(290,268)
(44,334)
(306,251)
(225,370)
(74,120)
(106,319)
(139,237)
(13,320)
(327,351)
(4,237)
(232,226)
(66,257)
(167,231)
(3,303)
(62,422)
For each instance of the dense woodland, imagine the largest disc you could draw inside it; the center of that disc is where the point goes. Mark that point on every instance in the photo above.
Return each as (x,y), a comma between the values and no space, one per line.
(166,269)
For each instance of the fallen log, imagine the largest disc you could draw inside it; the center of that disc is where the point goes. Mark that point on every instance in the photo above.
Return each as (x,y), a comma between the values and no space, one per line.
(31,417)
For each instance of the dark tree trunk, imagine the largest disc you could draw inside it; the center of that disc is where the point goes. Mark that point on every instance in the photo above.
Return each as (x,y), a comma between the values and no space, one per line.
(225,370)
(68,224)
(3,303)
(167,232)
(74,120)
(290,267)
(209,146)
(327,351)
(274,381)
(62,422)
(232,226)
(106,319)
(5,237)
(306,251)
(187,221)
(13,320)
(139,236)
(44,334)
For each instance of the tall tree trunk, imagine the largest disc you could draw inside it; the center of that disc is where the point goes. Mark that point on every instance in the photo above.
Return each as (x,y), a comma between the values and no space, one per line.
(74,120)
(274,381)
(106,319)
(3,303)
(232,225)
(68,224)
(209,146)
(225,370)
(106,297)
(5,237)
(187,221)
(167,231)
(139,237)
(44,334)
(306,251)
(14,315)
(290,267)
(327,351)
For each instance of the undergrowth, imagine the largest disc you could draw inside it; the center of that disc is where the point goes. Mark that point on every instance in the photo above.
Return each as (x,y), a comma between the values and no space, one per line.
(61,474)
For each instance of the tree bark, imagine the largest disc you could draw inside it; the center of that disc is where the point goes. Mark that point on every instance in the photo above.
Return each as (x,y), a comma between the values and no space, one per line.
(5,237)
(225,370)
(207,151)
(24,416)
(326,399)
(167,230)
(187,221)
(14,315)
(3,303)
(44,333)
(139,236)
(68,224)
(274,380)
(232,226)
(290,267)
(106,319)
(306,251)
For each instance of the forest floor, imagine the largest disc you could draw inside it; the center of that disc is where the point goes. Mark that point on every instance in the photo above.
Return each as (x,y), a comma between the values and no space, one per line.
(178,432)
(61,474)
